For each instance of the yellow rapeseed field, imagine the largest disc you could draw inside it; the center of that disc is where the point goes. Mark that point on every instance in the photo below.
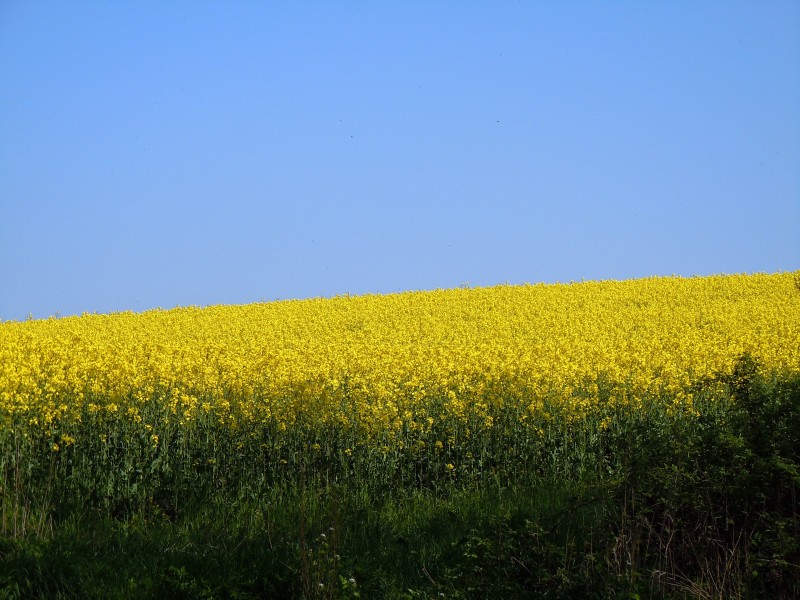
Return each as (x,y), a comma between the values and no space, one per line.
(381,362)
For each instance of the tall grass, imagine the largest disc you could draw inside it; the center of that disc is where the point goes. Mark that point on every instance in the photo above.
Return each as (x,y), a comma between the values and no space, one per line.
(643,499)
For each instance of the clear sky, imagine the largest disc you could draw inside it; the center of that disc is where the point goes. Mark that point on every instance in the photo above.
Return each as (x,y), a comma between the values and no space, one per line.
(155,154)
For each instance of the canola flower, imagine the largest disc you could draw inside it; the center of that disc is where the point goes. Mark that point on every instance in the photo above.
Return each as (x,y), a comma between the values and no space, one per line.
(383,363)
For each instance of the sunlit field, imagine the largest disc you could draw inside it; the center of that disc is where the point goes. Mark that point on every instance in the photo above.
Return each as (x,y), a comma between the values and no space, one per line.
(379,366)
(533,410)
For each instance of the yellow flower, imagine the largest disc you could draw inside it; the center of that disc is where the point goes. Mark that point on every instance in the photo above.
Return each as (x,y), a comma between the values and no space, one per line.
(392,368)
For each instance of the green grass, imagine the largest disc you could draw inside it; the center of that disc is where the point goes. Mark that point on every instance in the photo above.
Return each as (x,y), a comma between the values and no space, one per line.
(658,504)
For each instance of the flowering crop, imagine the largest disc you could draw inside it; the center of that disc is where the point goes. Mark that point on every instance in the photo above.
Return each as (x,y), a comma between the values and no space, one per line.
(575,399)
(381,363)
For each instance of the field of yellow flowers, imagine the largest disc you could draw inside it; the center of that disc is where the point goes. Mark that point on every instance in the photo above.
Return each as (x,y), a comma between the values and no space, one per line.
(613,419)
(384,363)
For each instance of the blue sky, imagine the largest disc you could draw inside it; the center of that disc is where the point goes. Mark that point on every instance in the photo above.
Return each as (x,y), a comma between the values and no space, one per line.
(158,154)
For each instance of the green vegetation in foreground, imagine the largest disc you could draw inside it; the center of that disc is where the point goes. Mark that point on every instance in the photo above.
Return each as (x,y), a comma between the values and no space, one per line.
(644,503)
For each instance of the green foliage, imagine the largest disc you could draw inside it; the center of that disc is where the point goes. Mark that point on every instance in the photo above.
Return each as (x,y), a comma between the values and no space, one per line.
(632,502)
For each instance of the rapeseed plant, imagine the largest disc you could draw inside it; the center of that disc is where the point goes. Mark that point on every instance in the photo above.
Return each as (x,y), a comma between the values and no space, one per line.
(382,365)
